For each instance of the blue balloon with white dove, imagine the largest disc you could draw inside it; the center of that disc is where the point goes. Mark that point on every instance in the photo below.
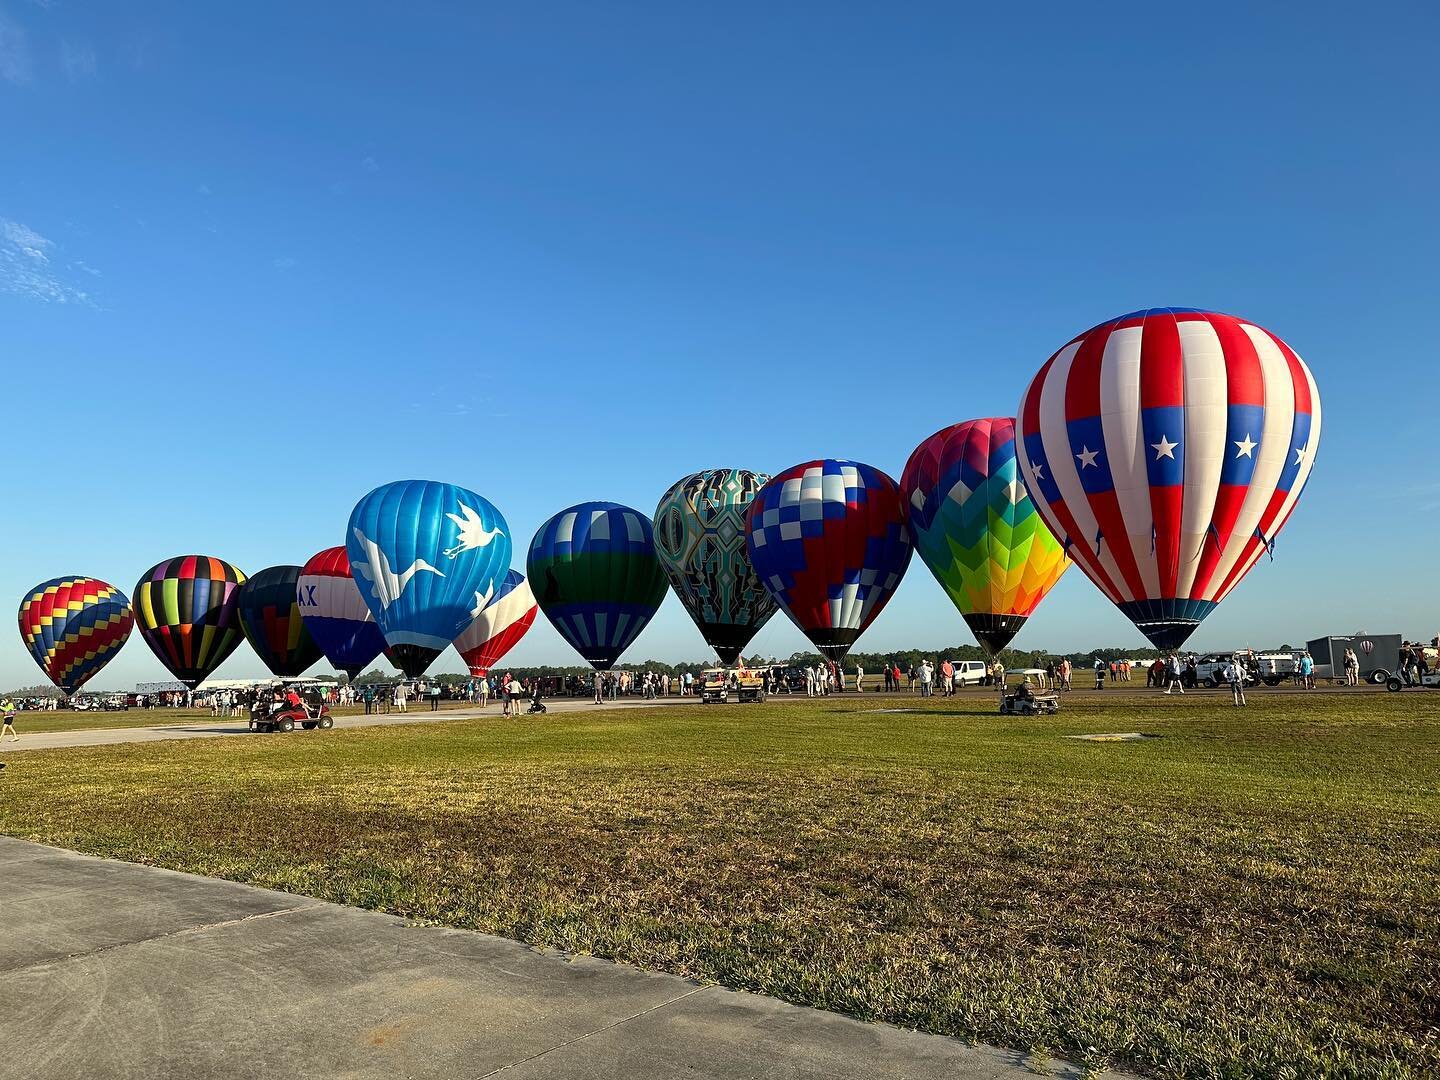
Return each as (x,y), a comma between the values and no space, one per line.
(428,556)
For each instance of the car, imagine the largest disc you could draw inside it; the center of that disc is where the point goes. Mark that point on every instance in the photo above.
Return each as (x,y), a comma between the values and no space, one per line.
(970,672)
(1210,669)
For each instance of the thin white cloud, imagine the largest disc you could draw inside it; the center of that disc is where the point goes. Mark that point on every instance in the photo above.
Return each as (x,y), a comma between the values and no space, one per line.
(14,52)
(369,164)
(78,60)
(26,268)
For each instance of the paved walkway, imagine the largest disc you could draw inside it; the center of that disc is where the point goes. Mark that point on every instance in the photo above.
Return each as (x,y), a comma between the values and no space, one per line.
(117,970)
(49,740)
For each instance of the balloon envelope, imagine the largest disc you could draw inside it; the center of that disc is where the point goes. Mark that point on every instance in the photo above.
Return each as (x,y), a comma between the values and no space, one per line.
(976,528)
(270,616)
(1167,448)
(830,543)
(73,626)
(596,576)
(498,628)
(336,614)
(185,608)
(428,557)
(700,539)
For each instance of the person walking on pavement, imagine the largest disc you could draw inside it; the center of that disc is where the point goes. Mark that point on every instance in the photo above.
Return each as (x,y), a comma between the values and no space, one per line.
(7,710)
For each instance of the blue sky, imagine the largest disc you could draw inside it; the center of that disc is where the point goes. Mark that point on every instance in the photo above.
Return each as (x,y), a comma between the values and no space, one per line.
(257,259)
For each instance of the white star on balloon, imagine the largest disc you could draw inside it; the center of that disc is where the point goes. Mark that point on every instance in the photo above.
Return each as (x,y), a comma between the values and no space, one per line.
(1039,471)
(1087,457)
(1245,447)
(1164,448)
(1301,453)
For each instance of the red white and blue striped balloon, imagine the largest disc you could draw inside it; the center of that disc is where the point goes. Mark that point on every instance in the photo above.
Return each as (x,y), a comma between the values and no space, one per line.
(499,626)
(1166,449)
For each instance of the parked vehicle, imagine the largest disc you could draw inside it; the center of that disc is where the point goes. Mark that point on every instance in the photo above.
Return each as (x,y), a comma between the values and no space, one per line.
(718,685)
(1273,668)
(970,672)
(1379,656)
(1210,669)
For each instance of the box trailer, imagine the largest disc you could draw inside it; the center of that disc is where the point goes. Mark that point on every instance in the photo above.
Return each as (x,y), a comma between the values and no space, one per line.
(1379,655)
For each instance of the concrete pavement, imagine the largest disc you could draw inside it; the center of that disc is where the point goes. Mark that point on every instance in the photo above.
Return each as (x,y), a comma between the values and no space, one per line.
(110,969)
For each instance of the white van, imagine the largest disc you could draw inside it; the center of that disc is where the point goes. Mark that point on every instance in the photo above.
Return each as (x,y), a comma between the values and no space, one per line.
(969,672)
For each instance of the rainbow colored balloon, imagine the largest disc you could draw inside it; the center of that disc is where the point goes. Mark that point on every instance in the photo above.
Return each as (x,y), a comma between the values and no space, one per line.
(977,529)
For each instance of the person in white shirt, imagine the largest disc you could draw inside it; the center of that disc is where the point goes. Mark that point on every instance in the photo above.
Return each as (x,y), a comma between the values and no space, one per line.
(1172,671)
(1235,676)
(859,679)
(402,692)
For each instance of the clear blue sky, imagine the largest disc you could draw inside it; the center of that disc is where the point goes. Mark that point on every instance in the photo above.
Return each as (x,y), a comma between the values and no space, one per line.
(257,259)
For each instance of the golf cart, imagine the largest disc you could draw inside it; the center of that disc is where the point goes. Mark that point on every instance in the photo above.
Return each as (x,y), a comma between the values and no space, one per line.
(717,684)
(1430,680)
(266,715)
(1025,700)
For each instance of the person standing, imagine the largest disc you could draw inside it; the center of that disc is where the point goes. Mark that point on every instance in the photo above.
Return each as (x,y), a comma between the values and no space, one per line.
(927,678)
(1234,674)
(1307,671)
(1352,667)
(1172,670)
(7,711)
(434,697)
(482,689)
(1099,674)
(402,695)
(859,678)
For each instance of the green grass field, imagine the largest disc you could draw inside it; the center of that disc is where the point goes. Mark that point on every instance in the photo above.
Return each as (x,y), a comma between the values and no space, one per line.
(1254,893)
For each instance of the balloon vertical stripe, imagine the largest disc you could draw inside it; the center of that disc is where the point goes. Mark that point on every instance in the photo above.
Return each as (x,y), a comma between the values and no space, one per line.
(1166,448)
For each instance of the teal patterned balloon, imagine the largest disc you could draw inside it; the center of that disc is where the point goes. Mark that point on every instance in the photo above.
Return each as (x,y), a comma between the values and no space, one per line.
(700,538)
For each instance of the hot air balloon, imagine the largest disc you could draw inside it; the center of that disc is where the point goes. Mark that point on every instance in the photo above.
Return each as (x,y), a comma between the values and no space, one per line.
(499,627)
(428,557)
(73,626)
(976,528)
(596,577)
(1167,448)
(336,614)
(700,538)
(829,541)
(270,617)
(185,608)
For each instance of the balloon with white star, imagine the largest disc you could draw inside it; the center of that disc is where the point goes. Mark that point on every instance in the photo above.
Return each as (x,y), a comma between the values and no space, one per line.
(1167,448)
(976,528)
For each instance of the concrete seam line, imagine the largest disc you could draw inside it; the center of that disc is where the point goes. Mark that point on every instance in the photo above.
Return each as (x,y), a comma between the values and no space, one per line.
(598,1031)
(168,934)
